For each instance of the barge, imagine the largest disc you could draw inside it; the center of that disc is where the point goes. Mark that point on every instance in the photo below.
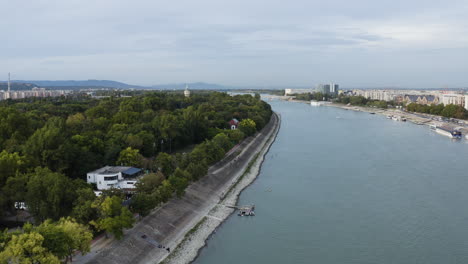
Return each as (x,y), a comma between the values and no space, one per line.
(447,131)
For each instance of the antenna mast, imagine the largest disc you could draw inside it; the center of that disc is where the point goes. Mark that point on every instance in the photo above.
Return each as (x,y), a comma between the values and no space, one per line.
(8,82)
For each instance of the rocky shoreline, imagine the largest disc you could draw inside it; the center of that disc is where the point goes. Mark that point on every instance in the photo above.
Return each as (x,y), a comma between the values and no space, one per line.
(195,240)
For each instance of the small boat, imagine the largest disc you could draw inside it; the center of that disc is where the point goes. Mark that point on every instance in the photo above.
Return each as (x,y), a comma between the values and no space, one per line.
(372,113)
(389,117)
(315,103)
(246,210)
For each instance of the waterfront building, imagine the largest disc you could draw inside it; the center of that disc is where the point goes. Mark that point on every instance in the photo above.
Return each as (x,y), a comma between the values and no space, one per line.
(456,99)
(421,99)
(289,91)
(466,101)
(119,177)
(323,88)
(334,88)
(400,96)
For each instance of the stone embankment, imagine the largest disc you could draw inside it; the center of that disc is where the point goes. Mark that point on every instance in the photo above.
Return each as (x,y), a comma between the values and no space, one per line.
(181,220)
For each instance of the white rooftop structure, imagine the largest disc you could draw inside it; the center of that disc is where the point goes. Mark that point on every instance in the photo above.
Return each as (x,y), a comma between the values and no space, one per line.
(119,177)
(186,92)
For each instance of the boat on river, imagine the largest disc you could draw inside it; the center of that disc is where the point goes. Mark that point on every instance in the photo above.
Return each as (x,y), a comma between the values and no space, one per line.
(315,103)
(447,131)
(398,118)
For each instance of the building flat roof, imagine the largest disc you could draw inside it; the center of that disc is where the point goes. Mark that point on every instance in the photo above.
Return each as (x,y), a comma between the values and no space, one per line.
(132,171)
(112,169)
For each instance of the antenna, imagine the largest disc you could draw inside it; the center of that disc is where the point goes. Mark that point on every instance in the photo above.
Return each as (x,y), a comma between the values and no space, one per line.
(8,82)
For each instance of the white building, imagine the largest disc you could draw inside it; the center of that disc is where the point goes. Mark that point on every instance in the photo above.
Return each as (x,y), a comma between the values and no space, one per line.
(290,91)
(186,92)
(456,99)
(466,101)
(114,177)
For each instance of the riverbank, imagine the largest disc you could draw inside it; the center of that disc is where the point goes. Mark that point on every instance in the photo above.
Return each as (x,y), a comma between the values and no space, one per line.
(195,240)
(355,189)
(416,118)
(170,224)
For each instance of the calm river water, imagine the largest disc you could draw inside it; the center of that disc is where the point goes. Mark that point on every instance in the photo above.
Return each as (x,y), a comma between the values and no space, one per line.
(348,187)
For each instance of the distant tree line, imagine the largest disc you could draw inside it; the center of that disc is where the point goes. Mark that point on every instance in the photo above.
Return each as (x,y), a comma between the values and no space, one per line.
(449,111)
(318,96)
(363,101)
(47,145)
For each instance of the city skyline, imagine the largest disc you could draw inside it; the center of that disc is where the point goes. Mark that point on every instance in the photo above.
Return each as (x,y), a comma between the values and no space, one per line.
(265,43)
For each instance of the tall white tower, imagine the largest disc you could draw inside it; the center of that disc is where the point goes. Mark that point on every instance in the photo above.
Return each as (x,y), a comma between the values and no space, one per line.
(186,92)
(8,82)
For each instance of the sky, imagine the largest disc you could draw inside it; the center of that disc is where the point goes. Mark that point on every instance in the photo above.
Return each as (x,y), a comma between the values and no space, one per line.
(356,43)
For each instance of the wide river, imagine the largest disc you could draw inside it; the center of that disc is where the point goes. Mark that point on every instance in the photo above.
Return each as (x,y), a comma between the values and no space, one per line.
(348,187)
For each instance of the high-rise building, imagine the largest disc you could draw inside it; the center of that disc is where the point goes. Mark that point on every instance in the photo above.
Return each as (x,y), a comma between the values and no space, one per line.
(323,88)
(466,101)
(334,88)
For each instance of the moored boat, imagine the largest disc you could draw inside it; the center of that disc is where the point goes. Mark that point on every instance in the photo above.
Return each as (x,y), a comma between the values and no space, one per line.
(315,103)
(448,131)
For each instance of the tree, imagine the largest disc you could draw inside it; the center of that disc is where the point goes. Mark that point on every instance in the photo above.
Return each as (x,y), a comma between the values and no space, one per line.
(180,180)
(165,191)
(149,183)
(197,170)
(130,157)
(44,146)
(79,237)
(15,189)
(236,136)
(143,203)
(165,163)
(49,194)
(55,239)
(113,217)
(27,248)
(179,184)
(10,164)
(83,210)
(247,126)
(454,111)
(222,141)
(167,125)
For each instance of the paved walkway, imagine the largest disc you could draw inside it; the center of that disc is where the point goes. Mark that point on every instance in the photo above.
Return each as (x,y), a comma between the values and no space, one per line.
(168,224)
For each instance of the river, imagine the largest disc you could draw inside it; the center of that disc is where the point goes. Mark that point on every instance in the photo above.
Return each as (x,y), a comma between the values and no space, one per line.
(348,187)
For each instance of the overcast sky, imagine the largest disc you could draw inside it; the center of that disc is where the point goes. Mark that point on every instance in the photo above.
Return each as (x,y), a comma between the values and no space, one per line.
(356,43)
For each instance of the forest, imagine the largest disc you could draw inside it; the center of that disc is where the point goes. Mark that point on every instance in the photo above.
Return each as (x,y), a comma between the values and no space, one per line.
(48,145)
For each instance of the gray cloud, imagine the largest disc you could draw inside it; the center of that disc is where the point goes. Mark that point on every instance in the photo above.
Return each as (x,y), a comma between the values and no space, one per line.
(361,42)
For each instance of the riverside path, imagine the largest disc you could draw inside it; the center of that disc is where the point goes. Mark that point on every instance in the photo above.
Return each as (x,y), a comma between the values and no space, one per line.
(168,224)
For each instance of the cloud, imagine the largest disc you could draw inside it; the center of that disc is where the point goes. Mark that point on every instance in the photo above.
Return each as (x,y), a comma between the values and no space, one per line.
(233,42)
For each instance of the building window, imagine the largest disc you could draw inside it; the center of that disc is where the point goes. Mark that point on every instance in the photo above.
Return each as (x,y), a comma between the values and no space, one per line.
(89,177)
(110,178)
(131,183)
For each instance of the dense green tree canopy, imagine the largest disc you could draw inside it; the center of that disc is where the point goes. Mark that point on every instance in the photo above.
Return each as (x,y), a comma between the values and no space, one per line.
(47,145)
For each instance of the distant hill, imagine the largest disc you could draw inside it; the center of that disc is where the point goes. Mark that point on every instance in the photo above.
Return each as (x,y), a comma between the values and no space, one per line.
(17,86)
(85,83)
(97,84)
(192,86)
